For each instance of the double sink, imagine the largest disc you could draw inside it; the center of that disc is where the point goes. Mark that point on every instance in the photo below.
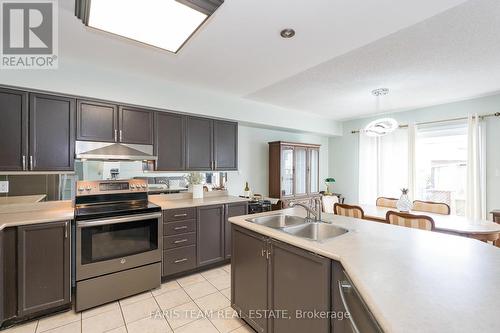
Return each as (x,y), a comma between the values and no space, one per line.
(300,227)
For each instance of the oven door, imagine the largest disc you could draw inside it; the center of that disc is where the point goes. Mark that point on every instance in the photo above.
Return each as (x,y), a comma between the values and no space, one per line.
(106,246)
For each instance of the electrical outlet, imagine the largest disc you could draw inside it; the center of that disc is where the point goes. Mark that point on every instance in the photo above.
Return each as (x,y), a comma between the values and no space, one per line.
(4,186)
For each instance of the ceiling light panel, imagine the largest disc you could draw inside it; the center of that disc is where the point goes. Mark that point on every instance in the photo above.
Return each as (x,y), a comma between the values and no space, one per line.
(166,24)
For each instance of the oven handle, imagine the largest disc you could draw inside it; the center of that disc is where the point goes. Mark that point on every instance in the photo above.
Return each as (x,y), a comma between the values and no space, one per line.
(114,220)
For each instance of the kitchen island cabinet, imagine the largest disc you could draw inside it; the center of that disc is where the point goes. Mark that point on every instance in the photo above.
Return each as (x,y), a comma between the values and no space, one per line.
(268,275)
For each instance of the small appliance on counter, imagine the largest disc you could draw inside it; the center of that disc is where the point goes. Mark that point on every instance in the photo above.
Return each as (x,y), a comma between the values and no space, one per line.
(118,244)
(257,205)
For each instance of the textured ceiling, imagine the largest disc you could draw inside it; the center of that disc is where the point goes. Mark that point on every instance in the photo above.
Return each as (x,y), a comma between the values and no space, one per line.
(452,56)
(239,52)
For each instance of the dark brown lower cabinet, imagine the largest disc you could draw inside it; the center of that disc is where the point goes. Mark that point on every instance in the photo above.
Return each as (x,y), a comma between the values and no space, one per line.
(290,283)
(300,284)
(234,209)
(210,234)
(43,268)
(249,277)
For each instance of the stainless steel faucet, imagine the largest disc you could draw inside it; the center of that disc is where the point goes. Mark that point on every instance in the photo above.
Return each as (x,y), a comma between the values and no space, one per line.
(318,207)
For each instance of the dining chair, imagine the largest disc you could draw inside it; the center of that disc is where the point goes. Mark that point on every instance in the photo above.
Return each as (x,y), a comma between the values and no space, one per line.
(329,202)
(348,210)
(386,202)
(410,220)
(431,207)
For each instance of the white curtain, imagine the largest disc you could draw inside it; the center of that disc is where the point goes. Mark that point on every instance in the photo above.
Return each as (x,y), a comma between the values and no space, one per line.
(412,160)
(476,169)
(368,169)
(383,166)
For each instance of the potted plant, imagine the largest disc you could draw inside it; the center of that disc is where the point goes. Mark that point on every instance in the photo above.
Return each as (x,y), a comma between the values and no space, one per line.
(329,185)
(195,181)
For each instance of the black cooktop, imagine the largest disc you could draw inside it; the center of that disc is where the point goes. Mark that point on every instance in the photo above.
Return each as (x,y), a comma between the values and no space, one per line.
(106,210)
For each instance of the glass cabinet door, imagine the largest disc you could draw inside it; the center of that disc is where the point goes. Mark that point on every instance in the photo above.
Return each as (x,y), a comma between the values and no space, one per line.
(300,171)
(286,171)
(313,170)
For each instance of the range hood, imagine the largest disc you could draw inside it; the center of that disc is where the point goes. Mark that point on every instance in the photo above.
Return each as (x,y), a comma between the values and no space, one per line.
(112,151)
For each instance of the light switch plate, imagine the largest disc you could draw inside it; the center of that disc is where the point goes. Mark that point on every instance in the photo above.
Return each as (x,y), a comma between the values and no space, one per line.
(4,186)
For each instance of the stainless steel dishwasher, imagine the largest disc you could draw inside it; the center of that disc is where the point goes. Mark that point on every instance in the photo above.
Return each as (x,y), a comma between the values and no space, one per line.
(346,299)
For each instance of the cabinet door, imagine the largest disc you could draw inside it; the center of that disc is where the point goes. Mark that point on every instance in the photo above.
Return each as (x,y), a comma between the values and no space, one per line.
(313,170)
(43,267)
(236,209)
(225,145)
(249,277)
(135,126)
(287,171)
(199,153)
(170,140)
(210,232)
(96,121)
(13,130)
(307,276)
(52,133)
(300,175)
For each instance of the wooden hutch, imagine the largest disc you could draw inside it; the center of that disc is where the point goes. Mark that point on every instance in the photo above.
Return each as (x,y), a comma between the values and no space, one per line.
(293,172)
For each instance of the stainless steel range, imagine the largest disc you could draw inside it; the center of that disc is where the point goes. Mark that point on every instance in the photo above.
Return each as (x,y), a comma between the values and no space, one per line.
(118,241)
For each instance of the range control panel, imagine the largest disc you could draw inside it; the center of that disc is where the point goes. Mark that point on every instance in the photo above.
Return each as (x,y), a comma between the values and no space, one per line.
(110,186)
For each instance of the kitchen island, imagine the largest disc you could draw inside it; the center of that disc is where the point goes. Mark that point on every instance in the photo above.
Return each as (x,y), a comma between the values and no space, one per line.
(411,280)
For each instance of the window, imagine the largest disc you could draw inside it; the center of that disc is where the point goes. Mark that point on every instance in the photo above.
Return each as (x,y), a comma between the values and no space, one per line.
(441,165)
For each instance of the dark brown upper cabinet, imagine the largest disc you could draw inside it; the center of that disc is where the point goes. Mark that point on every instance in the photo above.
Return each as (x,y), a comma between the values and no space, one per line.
(43,254)
(96,121)
(199,144)
(225,145)
(210,234)
(211,144)
(13,130)
(135,126)
(170,141)
(51,133)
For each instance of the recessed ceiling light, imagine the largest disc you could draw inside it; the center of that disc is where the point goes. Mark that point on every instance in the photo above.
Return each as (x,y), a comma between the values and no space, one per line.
(287,33)
(166,24)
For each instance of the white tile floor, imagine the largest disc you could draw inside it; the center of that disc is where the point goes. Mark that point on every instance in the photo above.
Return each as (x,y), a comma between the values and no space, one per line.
(198,303)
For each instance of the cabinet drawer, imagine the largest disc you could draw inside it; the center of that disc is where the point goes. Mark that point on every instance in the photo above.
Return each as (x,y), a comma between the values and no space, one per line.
(181,227)
(180,214)
(170,242)
(179,260)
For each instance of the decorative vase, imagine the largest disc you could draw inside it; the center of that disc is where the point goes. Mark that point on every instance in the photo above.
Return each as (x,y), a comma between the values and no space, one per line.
(404,204)
(197,191)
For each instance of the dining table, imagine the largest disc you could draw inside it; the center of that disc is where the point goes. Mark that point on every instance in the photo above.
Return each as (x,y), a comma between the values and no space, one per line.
(483,230)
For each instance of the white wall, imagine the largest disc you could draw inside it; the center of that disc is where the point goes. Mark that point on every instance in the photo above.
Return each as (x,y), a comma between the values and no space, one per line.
(343,159)
(76,77)
(254,157)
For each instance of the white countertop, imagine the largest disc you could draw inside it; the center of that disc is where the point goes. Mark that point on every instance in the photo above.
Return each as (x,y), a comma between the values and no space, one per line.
(165,202)
(412,280)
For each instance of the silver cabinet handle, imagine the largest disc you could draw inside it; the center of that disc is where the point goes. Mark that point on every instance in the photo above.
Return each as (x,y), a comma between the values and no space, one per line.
(180,215)
(116,135)
(180,241)
(180,260)
(344,285)
(215,165)
(181,228)
(31,162)
(66,230)
(24,162)
(121,132)
(263,253)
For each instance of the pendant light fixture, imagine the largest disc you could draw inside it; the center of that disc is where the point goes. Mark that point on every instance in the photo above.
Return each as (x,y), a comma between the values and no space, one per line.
(382,126)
